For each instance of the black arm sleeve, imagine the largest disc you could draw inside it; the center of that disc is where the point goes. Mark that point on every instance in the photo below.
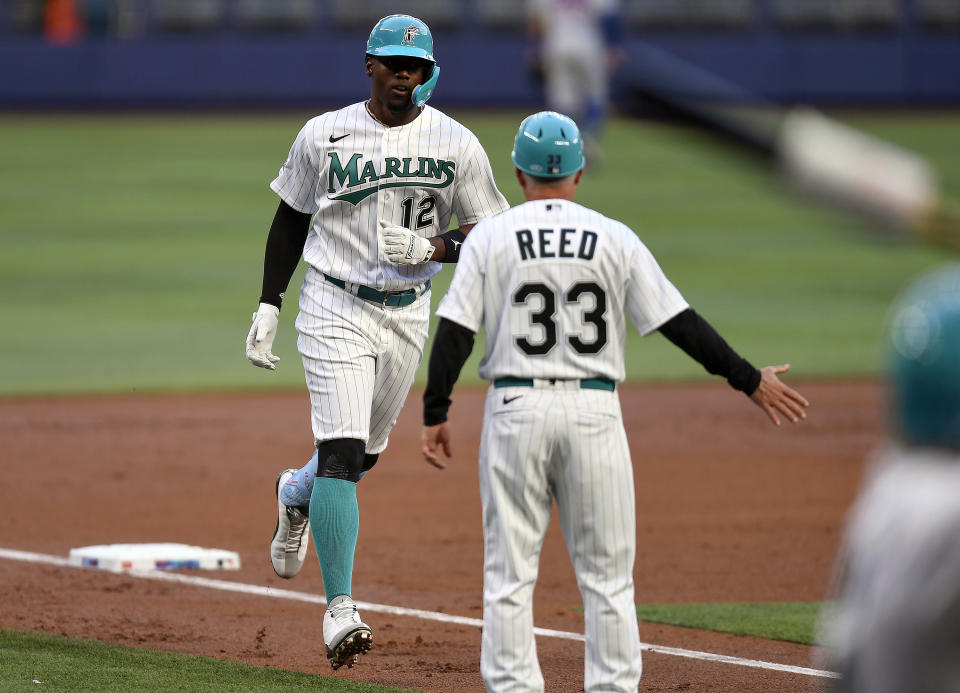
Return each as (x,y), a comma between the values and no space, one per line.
(701,342)
(288,234)
(451,346)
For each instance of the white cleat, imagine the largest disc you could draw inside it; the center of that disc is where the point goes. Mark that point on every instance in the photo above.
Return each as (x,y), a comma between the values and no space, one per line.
(290,540)
(345,635)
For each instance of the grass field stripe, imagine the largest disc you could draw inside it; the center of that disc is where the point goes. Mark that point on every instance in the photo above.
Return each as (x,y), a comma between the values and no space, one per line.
(275,593)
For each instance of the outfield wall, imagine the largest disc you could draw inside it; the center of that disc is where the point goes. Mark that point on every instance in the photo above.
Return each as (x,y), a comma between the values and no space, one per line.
(904,64)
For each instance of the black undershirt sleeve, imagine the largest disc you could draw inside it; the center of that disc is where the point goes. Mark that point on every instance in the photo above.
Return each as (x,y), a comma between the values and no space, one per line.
(451,346)
(288,234)
(701,342)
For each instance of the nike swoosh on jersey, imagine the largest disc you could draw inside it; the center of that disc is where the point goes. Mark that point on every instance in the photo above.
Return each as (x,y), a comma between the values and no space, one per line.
(337,139)
(507,400)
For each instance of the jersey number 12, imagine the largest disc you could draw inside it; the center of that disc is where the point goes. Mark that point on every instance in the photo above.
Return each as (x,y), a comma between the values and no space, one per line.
(424,218)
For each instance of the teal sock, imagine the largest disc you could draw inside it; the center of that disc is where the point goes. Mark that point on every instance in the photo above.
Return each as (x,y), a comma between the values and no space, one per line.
(334,524)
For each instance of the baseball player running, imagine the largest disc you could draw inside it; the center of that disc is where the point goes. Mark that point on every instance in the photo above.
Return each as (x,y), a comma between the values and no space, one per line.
(366,195)
(549,281)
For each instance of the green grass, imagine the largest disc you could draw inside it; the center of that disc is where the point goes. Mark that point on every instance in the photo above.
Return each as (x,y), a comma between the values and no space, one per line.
(790,621)
(131,248)
(40,662)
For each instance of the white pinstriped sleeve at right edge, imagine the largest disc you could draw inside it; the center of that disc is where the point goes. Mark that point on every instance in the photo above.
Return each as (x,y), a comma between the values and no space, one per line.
(296,184)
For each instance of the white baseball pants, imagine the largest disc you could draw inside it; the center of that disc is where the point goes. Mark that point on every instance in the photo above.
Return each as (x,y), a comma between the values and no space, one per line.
(359,360)
(567,443)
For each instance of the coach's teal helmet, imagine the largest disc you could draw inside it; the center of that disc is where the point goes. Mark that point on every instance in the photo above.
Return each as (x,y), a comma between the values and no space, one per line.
(548,145)
(924,329)
(401,34)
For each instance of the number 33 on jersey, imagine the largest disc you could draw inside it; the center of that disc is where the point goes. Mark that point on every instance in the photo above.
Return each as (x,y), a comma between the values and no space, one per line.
(563,288)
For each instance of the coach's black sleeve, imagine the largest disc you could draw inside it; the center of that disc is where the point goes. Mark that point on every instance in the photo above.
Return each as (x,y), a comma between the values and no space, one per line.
(288,234)
(451,346)
(700,341)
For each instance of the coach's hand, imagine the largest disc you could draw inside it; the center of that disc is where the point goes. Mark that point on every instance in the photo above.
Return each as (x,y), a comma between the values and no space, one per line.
(773,395)
(403,246)
(260,337)
(434,438)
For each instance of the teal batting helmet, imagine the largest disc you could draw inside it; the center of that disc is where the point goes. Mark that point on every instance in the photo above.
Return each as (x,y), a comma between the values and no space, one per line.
(548,145)
(401,34)
(924,329)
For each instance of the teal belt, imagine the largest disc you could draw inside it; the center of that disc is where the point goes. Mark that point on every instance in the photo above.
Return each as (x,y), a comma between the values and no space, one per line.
(588,384)
(393,299)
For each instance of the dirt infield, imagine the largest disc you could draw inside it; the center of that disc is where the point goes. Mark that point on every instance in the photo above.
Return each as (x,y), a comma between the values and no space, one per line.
(730,508)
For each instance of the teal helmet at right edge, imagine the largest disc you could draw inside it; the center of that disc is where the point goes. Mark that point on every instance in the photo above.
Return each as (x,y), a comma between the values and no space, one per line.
(401,34)
(924,343)
(548,145)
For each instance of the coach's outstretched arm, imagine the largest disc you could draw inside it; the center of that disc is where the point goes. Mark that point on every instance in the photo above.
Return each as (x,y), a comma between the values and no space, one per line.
(689,331)
(288,234)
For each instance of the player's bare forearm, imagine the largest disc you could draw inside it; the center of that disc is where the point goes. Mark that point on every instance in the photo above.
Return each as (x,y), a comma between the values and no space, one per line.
(775,397)
(439,249)
(434,439)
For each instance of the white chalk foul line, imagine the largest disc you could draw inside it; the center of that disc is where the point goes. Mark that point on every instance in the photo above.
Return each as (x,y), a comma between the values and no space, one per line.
(260,591)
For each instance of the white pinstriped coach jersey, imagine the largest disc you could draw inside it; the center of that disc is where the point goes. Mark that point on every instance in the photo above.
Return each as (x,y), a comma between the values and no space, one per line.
(549,280)
(350,171)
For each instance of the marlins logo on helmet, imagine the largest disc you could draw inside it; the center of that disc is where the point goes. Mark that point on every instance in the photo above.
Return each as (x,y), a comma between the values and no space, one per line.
(410,34)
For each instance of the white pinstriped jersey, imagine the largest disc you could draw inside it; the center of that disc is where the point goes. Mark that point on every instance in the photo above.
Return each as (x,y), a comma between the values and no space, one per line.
(350,172)
(549,281)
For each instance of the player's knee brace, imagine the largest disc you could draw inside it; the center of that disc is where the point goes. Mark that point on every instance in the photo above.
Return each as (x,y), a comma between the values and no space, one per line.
(342,458)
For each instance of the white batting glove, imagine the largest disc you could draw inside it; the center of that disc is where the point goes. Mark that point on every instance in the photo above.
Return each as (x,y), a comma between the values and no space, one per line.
(403,246)
(260,337)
